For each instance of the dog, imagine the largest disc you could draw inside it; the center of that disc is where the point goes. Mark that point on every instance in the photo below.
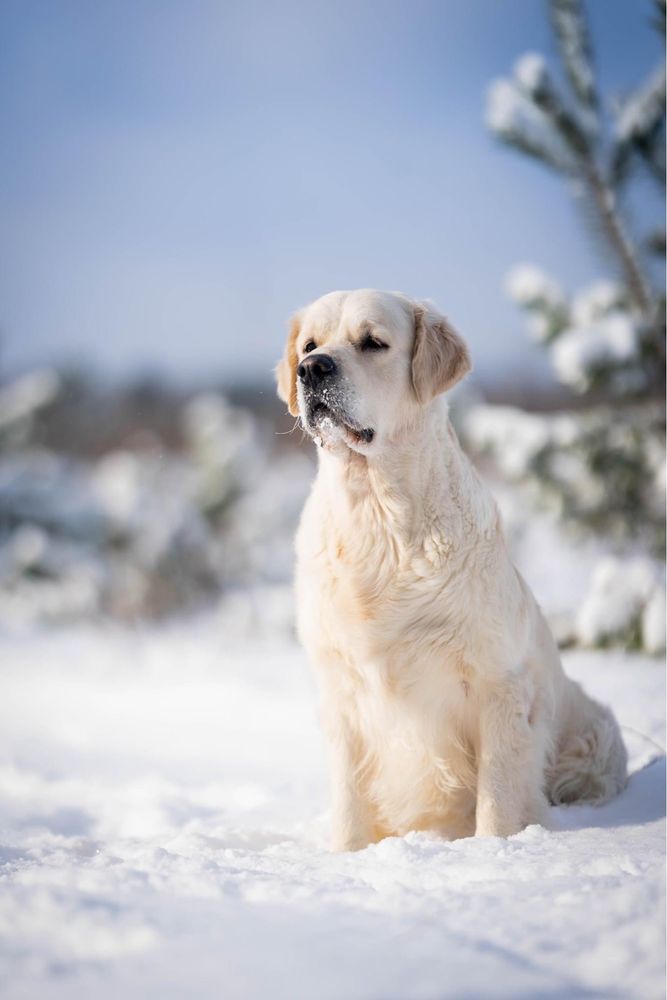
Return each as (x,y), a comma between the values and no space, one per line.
(443,698)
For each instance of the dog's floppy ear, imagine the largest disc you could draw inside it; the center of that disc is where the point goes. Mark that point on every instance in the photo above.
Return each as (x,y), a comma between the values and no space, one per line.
(286,369)
(439,356)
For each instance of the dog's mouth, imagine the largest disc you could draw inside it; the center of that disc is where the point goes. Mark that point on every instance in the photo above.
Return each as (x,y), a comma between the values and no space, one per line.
(322,417)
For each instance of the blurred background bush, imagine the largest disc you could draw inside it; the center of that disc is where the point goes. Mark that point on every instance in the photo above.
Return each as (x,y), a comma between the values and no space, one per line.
(179,180)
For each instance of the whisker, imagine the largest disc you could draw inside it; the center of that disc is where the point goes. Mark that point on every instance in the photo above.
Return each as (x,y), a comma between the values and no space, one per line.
(291,430)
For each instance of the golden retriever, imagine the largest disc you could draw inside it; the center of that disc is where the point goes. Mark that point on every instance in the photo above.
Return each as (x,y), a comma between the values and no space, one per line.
(443,698)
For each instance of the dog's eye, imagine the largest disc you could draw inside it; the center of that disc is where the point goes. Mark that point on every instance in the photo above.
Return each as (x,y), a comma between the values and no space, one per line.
(310,346)
(370,343)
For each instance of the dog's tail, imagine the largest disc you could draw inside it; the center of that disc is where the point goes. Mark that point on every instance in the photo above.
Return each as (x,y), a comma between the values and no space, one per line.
(590,760)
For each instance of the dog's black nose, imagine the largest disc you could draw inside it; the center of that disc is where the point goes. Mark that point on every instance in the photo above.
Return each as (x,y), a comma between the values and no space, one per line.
(316,367)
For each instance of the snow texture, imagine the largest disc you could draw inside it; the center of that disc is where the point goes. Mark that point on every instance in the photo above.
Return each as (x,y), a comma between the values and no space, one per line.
(595,301)
(590,597)
(146,531)
(516,436)
(612,342)
(642,110)
(621,591)
(23,396)
(531,72)
(527,285)
(512,115)
(571,29)
(164,833)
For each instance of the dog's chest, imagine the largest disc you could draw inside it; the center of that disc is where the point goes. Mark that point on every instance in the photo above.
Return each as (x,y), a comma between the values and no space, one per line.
(388,642)
(393,644)
(416,724)
(372,601)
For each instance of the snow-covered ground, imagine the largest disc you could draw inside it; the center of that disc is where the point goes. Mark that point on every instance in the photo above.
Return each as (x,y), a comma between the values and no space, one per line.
(164,829)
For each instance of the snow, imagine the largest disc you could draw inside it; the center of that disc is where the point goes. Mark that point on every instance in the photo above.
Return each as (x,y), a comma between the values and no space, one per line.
(653,623)
(596,300)
(591,593)
(640,112)
(20,398)
(528,285)
(515,436)
(531,73)
(613,341)
(511,113)
(623,590)
(164,832)
(573,42)
(147,531)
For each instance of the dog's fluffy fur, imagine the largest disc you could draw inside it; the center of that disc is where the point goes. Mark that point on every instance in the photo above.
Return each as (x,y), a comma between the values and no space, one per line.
(443,697)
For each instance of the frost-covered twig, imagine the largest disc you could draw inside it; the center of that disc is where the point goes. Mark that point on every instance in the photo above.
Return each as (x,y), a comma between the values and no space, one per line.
(573,41)
(528,113)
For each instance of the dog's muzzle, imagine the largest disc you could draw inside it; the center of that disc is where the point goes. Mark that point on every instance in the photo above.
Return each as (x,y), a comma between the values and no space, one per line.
(315,369)
(324,399)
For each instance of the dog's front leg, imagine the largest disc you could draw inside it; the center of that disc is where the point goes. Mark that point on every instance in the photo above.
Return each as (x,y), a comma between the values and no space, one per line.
(351,812)
(510,766)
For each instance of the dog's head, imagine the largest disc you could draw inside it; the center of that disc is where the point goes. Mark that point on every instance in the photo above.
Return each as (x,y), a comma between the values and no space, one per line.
(359,365)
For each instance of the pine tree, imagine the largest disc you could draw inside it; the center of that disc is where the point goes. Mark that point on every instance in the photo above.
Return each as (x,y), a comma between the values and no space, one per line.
(601,467)
(597,154)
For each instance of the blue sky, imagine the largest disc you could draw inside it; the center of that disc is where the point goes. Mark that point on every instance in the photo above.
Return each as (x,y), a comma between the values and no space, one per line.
(178,177)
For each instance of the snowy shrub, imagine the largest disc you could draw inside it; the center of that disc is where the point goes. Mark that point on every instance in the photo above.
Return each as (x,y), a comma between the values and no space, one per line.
(541,297)
(602,471)
(653,624)
(147,531)
(611,324)
(582,355)
(531,73)
(598,470)
(597,300)
(595,339)
(513,115)
(625,604)
(21,400)
(224,446)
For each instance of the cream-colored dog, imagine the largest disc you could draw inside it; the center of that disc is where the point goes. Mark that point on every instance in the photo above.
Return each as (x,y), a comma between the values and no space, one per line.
(443,697)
